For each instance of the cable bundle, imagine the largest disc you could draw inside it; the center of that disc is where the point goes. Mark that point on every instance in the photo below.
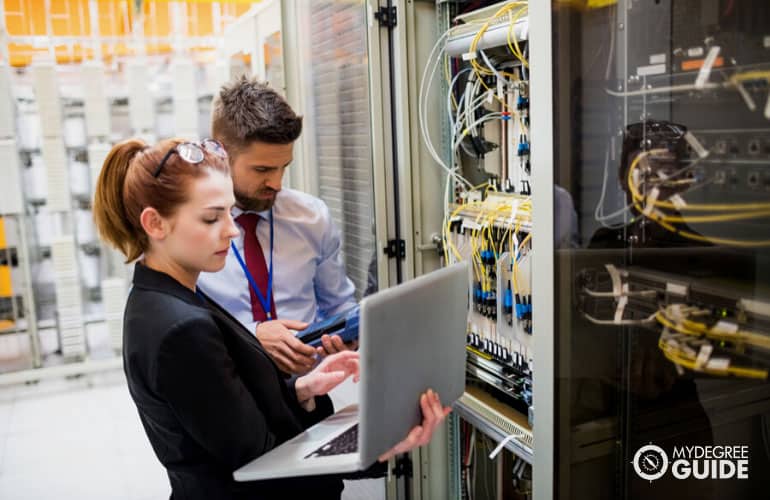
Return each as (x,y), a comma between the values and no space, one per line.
(658,210)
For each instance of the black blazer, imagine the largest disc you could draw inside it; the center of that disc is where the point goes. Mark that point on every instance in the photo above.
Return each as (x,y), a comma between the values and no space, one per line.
(209,397)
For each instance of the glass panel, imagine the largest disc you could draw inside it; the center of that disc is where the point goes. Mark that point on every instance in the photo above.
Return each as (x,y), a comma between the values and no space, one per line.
(335,53)
(240,64)
(662,160)
(274,61)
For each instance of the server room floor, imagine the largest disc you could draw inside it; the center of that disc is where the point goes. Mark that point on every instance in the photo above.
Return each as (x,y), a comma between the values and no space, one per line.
(82,439)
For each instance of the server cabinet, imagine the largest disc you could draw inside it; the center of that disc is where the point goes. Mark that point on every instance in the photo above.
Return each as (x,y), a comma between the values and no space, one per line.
(660,310)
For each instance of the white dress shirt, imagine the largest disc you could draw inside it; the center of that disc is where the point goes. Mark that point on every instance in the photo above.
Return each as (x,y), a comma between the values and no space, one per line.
(309,280)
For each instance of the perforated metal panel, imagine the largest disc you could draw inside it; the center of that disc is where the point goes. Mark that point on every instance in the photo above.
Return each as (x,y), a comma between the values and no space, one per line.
(339,118)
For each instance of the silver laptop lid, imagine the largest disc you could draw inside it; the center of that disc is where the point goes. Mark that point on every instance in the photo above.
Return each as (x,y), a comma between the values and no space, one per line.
(412,338)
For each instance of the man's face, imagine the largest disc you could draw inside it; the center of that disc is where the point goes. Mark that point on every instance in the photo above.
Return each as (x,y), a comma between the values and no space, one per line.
(257,174)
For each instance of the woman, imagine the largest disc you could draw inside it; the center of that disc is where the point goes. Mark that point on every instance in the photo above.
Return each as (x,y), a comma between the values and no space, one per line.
(208,395)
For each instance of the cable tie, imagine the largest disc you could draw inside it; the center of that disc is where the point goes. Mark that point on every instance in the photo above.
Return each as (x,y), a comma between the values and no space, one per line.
(696,145)
(746,97)
(718,364)
(705,70)
(677,201)
(725,328)
(621,308)
(650,201)
(617,283)
(703,356)
(676,313)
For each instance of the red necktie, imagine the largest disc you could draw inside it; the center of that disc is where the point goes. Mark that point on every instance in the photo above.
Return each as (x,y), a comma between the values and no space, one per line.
(255,262)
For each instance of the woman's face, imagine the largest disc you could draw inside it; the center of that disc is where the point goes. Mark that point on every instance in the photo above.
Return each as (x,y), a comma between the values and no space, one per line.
(201,229)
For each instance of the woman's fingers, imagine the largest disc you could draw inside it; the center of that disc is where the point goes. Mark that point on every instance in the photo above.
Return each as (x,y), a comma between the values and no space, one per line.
(438,410)
(327,381)
(426,402)
(354,368)
(346,360)
(412,439)
(433,414)
(387,455)
(430,418)
(338,357)
(407,444)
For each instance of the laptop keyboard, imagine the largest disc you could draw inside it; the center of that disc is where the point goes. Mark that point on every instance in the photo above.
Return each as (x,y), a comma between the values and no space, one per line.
(347,442)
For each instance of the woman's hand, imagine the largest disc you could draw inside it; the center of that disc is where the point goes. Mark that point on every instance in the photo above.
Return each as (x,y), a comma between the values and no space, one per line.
(329,373)
(432,415)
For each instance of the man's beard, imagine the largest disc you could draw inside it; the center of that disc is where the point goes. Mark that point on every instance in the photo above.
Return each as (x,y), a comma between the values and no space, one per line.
(251,204)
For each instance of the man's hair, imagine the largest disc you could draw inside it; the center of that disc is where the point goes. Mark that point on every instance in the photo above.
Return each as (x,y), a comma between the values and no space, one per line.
(247,111)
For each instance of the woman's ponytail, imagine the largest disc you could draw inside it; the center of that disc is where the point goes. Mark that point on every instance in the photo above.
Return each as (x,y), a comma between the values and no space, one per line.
(112,220)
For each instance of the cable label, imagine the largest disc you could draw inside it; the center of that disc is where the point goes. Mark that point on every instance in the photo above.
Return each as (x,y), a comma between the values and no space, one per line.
(514,210)
(676,312)
(725,328)
(696,145)
(652,198)
(718,364)
(678,201)
(703,356)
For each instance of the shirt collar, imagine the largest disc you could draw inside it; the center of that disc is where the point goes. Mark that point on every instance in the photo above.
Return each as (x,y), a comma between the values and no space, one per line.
(235,212)
(150,279)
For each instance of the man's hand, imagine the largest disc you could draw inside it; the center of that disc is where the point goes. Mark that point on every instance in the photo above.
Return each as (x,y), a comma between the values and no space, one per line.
(332,344)
(288,352)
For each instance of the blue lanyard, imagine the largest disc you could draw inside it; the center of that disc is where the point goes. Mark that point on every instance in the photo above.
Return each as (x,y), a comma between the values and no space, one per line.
(265,302)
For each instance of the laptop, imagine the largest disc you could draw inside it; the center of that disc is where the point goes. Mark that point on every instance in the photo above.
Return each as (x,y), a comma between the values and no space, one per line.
(411,338)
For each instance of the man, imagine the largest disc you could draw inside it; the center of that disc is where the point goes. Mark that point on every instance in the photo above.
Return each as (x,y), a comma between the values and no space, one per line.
(301,246)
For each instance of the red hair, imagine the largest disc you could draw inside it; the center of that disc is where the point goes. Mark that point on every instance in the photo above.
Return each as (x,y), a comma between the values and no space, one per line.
(126,186)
